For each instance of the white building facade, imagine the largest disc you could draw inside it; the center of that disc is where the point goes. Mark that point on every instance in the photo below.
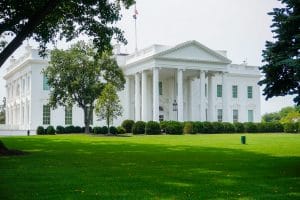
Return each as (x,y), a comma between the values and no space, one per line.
(187,82)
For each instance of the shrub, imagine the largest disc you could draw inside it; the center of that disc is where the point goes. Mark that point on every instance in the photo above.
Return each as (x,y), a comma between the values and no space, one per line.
(104,130)
(139,127)
(239,127)
(228,127)
(113,130)
(277,127)
(188,128)
(83,129)
(60,129)
(198,127)
(127,125)
(290,127)
(207,127)
(50,130)
(173,127)
(97,130)
(40,130)
(69,129)
(77,129)
(152,128)
(218,127)
(121,130)
(250,127)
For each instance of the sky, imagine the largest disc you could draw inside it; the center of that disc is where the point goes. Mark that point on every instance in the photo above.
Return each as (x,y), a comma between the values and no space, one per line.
(239,26)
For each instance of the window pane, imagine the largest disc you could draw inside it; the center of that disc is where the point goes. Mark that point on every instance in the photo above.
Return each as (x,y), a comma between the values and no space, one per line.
(45,83)
(68,115)
(160,88)
(250,116)
(249,91)
(235,115)
(219,90)
(234,91)
(220,115)
(46,114)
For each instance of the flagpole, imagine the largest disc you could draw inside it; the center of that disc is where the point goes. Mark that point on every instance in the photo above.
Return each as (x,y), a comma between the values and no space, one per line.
(135,28)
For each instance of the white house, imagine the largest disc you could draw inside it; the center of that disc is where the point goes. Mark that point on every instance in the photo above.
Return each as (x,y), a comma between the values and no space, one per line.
(186,82)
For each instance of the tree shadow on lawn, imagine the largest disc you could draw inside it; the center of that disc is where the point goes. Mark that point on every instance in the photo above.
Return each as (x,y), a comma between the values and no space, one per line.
(64,169)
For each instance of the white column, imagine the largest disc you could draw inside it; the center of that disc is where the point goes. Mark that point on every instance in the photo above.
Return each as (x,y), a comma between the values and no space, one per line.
(155,94)
(211,99)
(180,94)
(144,96)
(128,98)
(225,95)
(189,100)
(25,113)
(137,103)
(202,97)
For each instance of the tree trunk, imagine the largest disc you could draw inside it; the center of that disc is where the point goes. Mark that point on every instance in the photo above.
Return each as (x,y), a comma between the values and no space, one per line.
(36,19)
(86,120)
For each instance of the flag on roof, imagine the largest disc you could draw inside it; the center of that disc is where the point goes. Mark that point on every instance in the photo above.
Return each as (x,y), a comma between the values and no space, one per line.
(135,13)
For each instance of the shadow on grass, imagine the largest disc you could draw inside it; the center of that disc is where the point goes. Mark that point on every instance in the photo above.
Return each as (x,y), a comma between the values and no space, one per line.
(68,169)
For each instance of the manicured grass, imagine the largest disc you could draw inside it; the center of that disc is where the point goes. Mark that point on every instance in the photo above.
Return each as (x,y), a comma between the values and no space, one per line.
(152,167)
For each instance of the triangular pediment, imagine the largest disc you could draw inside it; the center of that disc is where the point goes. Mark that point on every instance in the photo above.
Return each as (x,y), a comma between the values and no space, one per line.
(193,50)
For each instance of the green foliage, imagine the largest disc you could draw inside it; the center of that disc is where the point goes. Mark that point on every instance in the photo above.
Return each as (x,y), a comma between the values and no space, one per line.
(97,130)
(104,130)
(228,127)
(50,130)
(127,125)
(108,105)
(291,127)
(207,127)
(60,129)
(282,71)
(218,127)
(250,127)
(77,129)
(121,130)
(293,116)
(188,128)
(139,127)
(271,117)
(85,73)
(152,128)
(198,127)
(239,127)
(40,130)
(46,21)
(172,127)
(70,129)
(113,130)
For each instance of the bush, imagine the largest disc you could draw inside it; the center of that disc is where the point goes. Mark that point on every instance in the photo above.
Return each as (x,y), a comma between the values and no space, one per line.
(291,127)
(121,130)
(127,125)
(152,128)
(77,129)
(198,127)
(228,127)
(69,129)
(218,127)
(104,130)
(250,127)
(40,130)
(207,127)
(139,127)
(113,130)
(60,130)
(172,127)
(50,130)
(239,127)
(97,130)
(83,129)
(188,128)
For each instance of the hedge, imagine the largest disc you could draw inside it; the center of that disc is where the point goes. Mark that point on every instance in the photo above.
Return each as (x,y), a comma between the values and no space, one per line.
(172,127)
(188,128)
(152,128)
(50,130)
(40,130)
(139,127)
(127,125)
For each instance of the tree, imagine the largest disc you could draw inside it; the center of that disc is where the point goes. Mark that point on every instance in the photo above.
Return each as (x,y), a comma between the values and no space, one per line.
(281,115)
(108,105)
(78,76)
(282,57)
(2,111)
(48,20)
(293,116)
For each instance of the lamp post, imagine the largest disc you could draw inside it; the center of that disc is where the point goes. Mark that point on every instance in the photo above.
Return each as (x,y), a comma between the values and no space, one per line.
(175,108)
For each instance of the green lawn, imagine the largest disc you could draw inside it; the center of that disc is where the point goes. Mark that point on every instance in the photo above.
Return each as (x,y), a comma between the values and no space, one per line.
(152,167)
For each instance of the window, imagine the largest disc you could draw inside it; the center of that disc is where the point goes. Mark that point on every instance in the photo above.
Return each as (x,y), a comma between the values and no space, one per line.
(219,90)
(250,116)
(46,114)
(235,115)
(220,115)
(68,115)
(160,88)
(205,89)
(45,83)
(249,91)
(234,91)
